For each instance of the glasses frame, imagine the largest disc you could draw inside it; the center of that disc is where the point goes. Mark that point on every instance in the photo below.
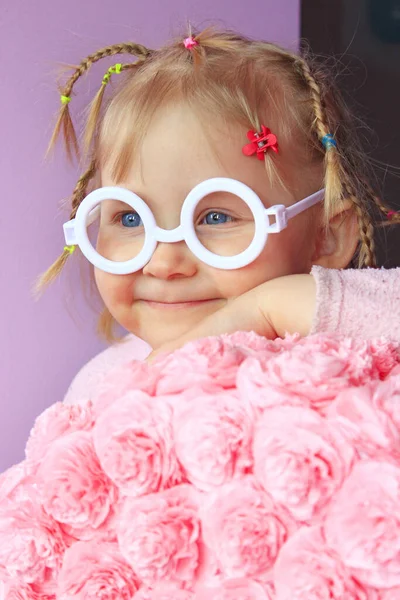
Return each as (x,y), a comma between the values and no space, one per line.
(75,230)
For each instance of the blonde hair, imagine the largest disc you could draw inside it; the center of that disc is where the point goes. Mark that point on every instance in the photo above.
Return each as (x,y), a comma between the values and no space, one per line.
(243,81)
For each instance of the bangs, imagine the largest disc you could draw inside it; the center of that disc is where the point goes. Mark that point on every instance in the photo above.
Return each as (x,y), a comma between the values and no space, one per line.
(230,87)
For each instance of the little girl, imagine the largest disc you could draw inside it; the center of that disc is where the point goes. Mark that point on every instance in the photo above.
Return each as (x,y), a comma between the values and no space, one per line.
(225,190)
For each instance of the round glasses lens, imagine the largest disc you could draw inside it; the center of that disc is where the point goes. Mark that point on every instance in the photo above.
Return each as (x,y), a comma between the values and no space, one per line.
(115,230)
(224,224)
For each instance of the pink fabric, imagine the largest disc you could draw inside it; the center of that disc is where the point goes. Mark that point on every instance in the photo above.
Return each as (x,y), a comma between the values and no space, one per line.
(91,376)
(358,303)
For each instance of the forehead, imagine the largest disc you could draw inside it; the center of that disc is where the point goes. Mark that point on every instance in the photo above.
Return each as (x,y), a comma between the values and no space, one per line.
(181,148)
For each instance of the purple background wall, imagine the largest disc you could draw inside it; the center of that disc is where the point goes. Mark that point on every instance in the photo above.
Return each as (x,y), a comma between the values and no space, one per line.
(43,344)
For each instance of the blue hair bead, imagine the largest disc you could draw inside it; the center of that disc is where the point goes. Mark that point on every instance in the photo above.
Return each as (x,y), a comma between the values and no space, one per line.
(329,141)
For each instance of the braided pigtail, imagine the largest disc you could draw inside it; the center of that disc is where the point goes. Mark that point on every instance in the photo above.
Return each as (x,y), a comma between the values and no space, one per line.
(95,106)
(334,172)
(391,216)
(366,251)
(338,183)
(80,191)
(64,123)
(65,126)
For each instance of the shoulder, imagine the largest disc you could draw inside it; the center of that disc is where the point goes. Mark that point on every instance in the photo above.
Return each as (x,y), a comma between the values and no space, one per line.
(92,373)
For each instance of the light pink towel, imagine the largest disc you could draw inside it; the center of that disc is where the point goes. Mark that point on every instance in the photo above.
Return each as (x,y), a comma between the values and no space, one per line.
(358,303)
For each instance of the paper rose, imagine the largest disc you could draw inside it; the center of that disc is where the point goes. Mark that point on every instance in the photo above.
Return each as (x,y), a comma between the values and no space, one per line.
(363,523)
(133,439)
(236,468)
(244,528)
(164,592)
(159,535)
(74,489)
(307,569)
(235,589)
(301,459)
(89,568)
(213,433)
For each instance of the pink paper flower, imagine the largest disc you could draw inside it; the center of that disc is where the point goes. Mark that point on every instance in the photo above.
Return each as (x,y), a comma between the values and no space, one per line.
(208,364)
(164,592)
(14,483)
(300,459)
(55,422)
(91,570)
(133,375)
(133,439)
(385,355)
(183,370)
(307,569)
(74,489)
(31,542)
(235,468)
(361,416)
(236,589)
(159,535)
(363,523)
(386,397)
(317,368)
(253,385)
(244,528)
(14,589)
(213,434)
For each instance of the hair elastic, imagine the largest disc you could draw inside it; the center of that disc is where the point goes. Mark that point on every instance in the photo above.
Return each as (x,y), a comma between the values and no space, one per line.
(115,69)
(70,249)
(190,42)
(329,141)
(391,214)
(65,99)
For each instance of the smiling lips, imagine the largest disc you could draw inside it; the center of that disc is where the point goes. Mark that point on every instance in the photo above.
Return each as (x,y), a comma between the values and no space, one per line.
(176,305)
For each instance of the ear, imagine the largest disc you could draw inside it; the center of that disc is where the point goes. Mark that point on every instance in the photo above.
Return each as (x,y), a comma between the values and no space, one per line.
(337,243)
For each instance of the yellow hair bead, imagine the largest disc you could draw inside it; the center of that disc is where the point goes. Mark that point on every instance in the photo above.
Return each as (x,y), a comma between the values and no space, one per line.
(65,99)
(70,249)
(115,69)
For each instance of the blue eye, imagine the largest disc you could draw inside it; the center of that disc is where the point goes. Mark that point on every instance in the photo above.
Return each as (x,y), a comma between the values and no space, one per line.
(216,218)
(131,219)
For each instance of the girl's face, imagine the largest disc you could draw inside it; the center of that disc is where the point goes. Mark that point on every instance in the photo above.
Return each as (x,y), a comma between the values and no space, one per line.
(176,290)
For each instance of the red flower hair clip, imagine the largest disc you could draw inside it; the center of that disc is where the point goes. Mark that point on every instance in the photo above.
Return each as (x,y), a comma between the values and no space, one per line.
(260,142)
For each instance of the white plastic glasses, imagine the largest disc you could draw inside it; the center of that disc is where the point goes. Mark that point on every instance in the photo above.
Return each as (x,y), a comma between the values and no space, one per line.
(202,240)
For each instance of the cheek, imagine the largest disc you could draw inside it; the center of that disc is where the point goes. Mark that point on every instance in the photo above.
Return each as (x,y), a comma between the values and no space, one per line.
(286,253)
(291,250)
(114,289)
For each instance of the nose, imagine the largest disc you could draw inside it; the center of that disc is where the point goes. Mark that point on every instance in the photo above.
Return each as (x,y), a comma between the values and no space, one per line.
(171,261)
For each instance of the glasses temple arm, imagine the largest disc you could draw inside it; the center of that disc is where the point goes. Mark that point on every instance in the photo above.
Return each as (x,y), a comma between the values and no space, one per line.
(69,226)
(298,207)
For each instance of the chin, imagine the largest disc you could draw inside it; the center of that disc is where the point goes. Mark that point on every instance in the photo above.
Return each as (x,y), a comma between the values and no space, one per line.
(162,334)
(167,326)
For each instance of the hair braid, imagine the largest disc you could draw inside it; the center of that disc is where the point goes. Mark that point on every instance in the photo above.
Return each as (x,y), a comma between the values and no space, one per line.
(366,254)
(80,190)
(95,107)
(392,216)
(334,171)
(55,269)
(338,184)
(64,122)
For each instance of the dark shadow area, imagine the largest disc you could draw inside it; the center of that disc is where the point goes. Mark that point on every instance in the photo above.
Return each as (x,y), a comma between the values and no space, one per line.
(364,38)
